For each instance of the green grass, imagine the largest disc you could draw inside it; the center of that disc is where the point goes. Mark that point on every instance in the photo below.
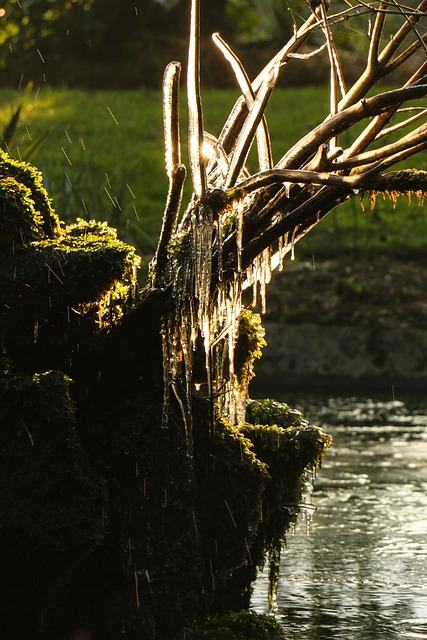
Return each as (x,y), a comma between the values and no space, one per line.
(103,158)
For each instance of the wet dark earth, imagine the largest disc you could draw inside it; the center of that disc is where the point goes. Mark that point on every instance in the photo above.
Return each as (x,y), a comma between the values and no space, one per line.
(361,571)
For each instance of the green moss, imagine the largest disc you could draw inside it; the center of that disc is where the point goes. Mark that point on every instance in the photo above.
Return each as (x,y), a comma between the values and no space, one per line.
(231,481)
(19,221)
(290,448)
(61,290)
(403,181)
(249,345)
(271,412)
(243,625)
(51,502)
(90,269)
(21,185)
(37,433)
(106,521)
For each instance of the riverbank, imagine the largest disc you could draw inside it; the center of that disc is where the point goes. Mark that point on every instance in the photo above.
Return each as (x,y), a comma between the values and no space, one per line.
(346,324)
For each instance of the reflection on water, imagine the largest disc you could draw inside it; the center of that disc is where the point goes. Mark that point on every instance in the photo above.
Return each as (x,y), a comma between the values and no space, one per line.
(361,573)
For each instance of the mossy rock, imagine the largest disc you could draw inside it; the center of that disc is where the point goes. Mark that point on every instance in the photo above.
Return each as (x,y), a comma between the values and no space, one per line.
(243,625)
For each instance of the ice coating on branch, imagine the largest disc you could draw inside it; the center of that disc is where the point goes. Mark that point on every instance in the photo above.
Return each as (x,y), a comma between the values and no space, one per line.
(239,234)
(258,276)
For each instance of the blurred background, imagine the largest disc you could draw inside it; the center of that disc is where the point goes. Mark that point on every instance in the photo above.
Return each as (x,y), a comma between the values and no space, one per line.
(108,44)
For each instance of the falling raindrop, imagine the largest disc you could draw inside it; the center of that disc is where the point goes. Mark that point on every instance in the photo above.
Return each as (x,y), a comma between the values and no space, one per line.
(66,156)
(68,179)
(112,115)
(136,588)
(110,197)
(85,209)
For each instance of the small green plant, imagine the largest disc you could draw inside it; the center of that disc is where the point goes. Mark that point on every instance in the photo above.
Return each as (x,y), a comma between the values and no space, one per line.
(28,152)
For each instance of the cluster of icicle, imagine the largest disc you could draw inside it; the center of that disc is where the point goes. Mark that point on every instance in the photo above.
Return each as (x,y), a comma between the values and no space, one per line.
(312,177)
(205,319)
(206,306)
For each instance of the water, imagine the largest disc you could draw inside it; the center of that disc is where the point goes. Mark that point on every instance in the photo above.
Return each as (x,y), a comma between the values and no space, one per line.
(361,573)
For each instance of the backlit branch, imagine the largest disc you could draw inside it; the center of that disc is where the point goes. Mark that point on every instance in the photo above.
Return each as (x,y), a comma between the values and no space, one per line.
(247,214)
(237,226)
(263,137)
(176,171)
(195,112)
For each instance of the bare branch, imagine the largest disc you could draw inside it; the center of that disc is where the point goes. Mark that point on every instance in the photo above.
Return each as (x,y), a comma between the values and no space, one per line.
(403,181)
(414,138)
(374,127)
(237,116)
(405,123)
(263,137)
(395,158)
(246,135)
(276,176)
(308,145)
(376,39)
(408,53)
(170,217)
(401,35)
(380,67)
(171,80)
(195,113)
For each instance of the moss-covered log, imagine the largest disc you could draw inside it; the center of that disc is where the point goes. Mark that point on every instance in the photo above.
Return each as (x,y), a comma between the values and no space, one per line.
(107,522)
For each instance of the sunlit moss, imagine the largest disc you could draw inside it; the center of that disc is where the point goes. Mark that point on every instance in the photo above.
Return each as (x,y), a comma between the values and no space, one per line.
(35,201)
(249,345)
(291,449)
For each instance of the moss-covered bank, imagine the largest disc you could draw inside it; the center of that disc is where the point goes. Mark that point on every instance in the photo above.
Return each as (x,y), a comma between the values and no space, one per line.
(107,523)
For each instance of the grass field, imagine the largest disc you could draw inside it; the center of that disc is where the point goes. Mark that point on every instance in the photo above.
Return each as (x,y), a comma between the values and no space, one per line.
(102,157)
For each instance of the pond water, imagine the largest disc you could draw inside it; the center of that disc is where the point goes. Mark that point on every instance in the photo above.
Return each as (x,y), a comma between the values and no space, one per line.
(361,571)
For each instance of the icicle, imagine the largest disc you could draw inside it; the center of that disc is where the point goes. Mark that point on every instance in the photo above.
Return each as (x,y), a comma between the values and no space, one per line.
(239,234)
(273,577)
(202,228)
(254,287)
(187,362)
(231,323)
(293,245)
(265,277)
(281,253)
(219,232)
